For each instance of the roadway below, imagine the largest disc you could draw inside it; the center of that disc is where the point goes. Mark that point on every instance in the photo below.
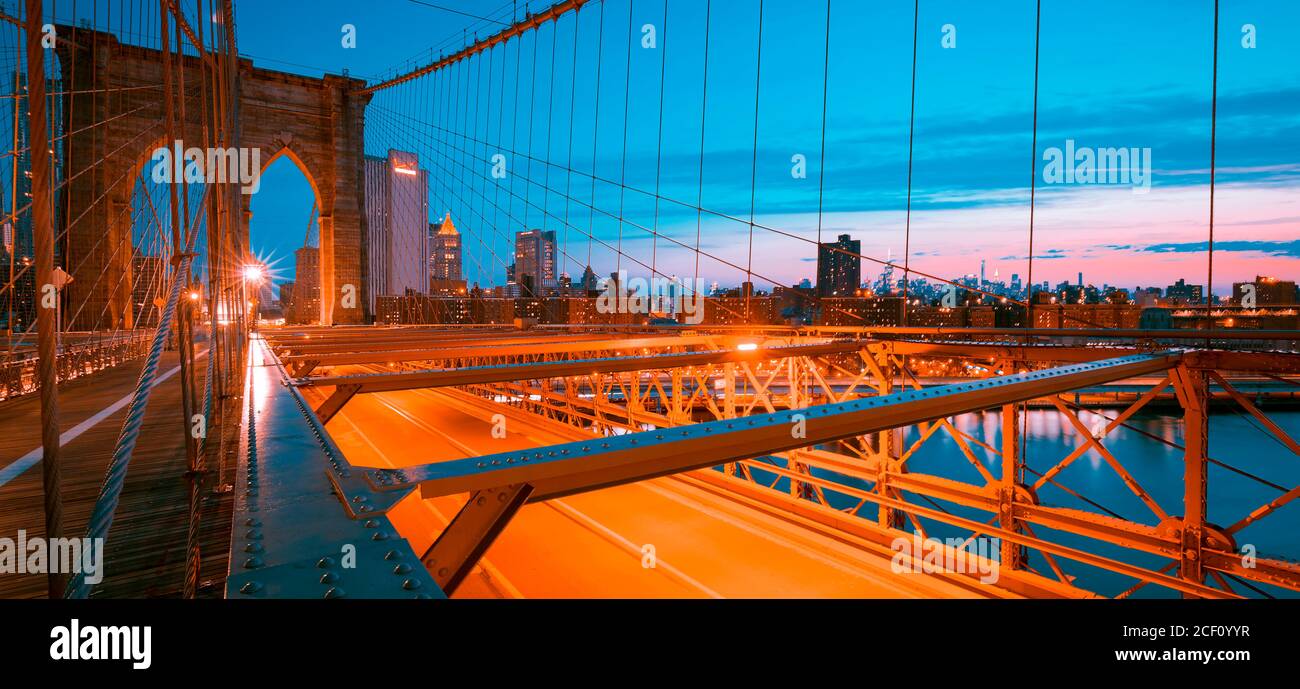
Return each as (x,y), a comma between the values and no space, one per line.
(599,544)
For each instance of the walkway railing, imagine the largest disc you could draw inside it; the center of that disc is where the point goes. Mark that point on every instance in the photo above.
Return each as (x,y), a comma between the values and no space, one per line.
(18,369)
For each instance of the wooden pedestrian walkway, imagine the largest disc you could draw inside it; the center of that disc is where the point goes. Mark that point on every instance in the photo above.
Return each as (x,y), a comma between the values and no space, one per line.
(145,549)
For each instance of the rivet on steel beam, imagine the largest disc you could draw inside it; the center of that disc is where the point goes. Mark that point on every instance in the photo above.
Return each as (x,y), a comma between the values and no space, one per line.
(250,587)
(335,592)
(401,568)
(253,562)
(325,562)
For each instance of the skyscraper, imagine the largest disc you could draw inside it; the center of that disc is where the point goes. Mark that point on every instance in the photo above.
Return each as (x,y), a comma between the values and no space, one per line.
(589,282)
(306,289)
(397,216)
(839,267)
(535,262)
(286,301)
(445,262)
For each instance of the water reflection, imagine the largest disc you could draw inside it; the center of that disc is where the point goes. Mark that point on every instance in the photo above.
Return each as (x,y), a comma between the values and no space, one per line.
(1150,452)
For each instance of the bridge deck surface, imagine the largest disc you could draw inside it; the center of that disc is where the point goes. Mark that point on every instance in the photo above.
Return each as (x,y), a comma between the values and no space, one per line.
(145,551)
(705,544)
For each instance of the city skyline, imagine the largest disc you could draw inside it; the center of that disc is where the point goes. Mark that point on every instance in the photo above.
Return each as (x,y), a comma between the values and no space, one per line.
(970,188)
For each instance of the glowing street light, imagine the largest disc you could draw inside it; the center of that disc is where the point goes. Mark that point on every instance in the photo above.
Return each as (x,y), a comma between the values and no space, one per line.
(254,273)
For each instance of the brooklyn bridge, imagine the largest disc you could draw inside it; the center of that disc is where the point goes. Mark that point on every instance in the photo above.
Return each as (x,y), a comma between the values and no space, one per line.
(389,436)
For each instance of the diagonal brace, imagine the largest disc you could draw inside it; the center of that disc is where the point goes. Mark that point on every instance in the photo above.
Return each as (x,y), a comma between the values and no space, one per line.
(473,529)
(334,403)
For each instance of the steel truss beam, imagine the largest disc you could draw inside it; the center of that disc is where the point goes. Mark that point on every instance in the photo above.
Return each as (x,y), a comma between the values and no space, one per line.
(470,349)
(608,417)
(1223,360)
(348,386)
(1127,534)
(588,465)
(329,343)
(624,397)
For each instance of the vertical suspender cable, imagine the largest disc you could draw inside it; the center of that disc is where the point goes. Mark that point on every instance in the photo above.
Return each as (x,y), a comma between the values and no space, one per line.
(568,166)
(550,118)
(748,287)
(1214,122)
(1033,173)
(704,111)
(43,234)
(821,162)
(1033,187)
(627,97)
(659,147)
(911,134)
(595,134)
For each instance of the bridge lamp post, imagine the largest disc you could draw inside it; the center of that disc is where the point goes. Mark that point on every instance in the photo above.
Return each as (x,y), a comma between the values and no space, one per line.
(252,273)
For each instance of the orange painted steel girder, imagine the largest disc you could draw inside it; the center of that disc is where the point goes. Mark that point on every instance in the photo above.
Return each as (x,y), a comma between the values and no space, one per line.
(582,466)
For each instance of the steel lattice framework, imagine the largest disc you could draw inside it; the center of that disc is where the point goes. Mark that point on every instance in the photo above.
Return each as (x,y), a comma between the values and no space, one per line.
(651,403)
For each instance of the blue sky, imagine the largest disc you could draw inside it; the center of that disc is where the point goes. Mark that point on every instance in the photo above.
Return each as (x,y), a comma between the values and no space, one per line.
(1112,74)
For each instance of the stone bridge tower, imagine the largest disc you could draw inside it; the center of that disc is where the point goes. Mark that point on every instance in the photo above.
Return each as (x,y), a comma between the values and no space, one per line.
(113,111)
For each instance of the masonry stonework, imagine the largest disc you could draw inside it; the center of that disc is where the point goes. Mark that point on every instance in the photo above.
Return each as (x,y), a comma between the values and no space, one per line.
(113,111)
